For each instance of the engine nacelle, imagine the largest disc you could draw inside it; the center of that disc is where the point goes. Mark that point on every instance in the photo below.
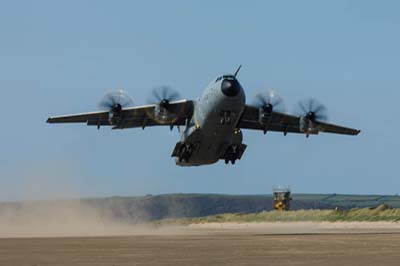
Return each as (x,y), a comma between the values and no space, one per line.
(307,126)
(163,115)
(264,116)
(114,116)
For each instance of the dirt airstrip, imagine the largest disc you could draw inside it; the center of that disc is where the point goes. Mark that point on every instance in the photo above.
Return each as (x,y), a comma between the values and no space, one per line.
(216,244)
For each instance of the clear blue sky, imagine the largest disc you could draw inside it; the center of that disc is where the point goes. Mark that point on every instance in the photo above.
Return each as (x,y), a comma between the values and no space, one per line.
(60,57)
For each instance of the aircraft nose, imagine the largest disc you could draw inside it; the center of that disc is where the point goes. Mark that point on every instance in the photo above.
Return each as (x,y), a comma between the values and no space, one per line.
(230,87)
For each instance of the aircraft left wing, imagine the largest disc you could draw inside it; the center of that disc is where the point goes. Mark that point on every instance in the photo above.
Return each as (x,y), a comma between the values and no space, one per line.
(252,119)
(131,117)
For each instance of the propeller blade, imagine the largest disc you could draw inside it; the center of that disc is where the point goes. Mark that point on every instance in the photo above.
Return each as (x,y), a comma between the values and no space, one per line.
(321,117)
(303,108)
(269,99)
(115,98)
(173,96)
(260,100)
(312,109)
(163,95)
(319,108)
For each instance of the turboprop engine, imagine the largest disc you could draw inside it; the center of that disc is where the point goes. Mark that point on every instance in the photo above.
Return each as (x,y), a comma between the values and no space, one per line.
(163,111)
(311,111)
(115,101)
(266,104)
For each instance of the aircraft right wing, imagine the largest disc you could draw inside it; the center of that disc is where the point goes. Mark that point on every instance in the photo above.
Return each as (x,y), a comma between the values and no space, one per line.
(131,117)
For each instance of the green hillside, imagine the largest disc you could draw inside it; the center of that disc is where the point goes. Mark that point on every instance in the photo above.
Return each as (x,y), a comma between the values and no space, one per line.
(343,201)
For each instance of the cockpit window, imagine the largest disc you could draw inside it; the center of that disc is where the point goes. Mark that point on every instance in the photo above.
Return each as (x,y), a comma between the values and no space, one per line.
(228,76)
(218,79)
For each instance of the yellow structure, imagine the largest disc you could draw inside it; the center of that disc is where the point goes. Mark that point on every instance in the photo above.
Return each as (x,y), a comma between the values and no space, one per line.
(282,199)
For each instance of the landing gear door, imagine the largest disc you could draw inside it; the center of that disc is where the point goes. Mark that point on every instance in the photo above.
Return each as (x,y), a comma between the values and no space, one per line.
(177,149)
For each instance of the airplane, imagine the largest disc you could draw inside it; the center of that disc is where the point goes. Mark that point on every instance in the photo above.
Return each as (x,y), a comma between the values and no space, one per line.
(210,127)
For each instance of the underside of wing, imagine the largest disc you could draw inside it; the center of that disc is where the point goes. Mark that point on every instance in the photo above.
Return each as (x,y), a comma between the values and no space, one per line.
(176,113)
(255,118)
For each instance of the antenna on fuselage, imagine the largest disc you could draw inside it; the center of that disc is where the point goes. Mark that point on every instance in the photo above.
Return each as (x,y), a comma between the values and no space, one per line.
(237,70)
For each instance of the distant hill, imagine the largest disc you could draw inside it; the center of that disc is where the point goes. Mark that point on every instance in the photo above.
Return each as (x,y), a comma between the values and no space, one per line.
(198,205)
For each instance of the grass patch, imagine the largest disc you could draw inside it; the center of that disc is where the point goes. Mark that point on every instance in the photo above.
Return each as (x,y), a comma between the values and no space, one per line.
(380,213)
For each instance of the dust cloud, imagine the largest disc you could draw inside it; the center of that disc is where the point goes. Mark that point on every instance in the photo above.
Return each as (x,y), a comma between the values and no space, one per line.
(48,204)
(67,218)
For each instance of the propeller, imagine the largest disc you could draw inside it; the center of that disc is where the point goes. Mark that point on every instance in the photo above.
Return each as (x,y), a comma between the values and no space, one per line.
(313,110)
(269,101)
(163,96)
(115,101)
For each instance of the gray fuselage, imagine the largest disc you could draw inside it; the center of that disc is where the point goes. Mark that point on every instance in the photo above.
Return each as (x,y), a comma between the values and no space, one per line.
(212,128)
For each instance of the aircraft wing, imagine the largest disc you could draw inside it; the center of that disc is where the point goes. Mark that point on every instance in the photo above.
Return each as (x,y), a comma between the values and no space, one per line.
(287,123)
(131,117)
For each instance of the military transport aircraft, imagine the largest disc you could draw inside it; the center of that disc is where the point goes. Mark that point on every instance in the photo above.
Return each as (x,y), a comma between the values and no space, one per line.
(210,127)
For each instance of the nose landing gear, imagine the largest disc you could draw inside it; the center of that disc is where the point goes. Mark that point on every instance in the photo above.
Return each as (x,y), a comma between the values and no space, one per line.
(231,154)
(226,117)
(233,160)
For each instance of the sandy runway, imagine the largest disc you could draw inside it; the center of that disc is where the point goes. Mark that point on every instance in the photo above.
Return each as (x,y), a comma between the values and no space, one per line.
(230,244)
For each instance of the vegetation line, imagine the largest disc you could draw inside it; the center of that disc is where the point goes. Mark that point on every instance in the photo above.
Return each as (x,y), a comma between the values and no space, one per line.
(380,213)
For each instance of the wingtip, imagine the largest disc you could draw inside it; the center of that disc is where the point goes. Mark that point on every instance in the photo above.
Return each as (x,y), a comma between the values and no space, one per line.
(48,120)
